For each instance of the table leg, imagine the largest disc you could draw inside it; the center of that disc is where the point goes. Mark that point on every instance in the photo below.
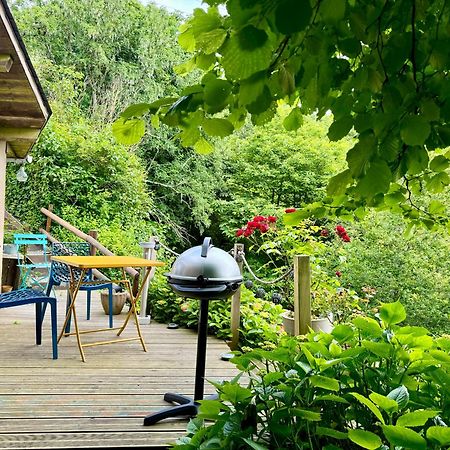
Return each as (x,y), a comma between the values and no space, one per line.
(132,311)
(74,287)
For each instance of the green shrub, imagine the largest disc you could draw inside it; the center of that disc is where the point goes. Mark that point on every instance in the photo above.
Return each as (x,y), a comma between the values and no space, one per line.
(371,384)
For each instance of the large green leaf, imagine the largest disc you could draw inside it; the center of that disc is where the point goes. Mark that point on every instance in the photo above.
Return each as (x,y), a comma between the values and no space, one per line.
(404,437)
(359,156)
(128,131)
(306,414)
(330,432)
(218,127)
(385,403)
(392,313)
(340,128)
(400,395)
(203,147)
(327,383)
(136,110)
(368,325)
(294,120)
(376,180)
(441,435)
(365,439)
(338,184)
(365,401)
(381,349)
(416,418)
(240,63)
(235,393)
(210,41)
(415,130)
(251,38)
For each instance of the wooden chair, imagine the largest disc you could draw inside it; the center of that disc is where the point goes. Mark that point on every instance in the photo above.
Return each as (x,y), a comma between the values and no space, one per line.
(30,296)
(59,274)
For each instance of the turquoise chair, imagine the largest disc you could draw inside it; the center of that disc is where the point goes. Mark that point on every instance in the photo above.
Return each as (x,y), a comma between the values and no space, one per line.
(33,260)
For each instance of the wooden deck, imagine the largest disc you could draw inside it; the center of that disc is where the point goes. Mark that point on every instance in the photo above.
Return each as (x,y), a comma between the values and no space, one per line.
(65,403)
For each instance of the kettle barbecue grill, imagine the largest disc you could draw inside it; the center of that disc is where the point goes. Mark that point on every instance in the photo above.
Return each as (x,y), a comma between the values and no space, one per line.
(204,273)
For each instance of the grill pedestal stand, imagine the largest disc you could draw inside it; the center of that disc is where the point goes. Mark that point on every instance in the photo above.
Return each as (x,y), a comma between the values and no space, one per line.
(187,406)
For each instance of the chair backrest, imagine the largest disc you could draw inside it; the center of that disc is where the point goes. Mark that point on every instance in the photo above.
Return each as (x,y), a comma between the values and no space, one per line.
(60,272)
(25,240)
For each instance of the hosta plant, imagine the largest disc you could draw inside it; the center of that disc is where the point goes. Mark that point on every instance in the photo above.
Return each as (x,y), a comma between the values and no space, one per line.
(370,384)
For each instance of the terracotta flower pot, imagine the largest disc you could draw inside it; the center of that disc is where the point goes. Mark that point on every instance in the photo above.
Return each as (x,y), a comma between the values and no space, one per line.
(118,301)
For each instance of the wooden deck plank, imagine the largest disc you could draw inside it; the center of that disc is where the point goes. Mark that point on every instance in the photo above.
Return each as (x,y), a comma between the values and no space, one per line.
(66,403)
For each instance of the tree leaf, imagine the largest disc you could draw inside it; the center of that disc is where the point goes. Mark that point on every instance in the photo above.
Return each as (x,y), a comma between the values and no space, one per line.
(128,131)
(289,23)
(376,180)
(392,313)
(294,120)
(218,127)
(365,439)
(404,437)
(338,184)
(439,163)
(340,128)
(136,110)
(416,418)
(203,147)
(415,130)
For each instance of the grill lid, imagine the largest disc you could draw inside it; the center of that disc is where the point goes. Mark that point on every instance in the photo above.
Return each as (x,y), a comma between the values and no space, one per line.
(205,263)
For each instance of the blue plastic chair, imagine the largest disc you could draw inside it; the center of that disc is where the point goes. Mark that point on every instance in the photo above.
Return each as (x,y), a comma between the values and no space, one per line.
(59,274)
(32,273)
(29,296)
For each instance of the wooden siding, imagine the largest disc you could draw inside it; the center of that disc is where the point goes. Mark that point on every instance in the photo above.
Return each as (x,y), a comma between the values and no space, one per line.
(101,403)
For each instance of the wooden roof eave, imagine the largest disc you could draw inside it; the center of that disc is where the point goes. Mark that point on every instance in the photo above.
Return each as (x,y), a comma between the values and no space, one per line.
(24,109)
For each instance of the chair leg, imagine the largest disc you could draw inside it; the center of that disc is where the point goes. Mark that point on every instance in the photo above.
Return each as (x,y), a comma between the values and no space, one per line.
(110,302)
(88,305)
(38,323)
(54,329)
(67,329)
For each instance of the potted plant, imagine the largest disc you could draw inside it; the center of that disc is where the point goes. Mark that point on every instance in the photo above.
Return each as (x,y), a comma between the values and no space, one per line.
(9,247)
(119,299)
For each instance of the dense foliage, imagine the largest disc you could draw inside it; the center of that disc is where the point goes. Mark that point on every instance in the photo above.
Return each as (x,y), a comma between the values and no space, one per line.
(372,384)
(380,67)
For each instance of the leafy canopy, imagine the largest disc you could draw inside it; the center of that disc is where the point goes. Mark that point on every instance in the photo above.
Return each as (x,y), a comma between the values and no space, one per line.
(380,67)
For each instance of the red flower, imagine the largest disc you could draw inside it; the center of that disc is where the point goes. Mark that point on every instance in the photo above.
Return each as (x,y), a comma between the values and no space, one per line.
(248,232)
(259,219)
(239,232)
(340,230)
(252,224)
(324,233)
(338,273)
(290,210)
(345,237)
(264,228)
(271,219)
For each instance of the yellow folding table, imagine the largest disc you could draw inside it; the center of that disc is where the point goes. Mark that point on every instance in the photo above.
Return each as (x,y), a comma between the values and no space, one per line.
(78,267)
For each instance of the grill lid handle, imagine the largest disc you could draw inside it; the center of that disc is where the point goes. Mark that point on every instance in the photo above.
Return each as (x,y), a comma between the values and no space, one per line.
(207,242)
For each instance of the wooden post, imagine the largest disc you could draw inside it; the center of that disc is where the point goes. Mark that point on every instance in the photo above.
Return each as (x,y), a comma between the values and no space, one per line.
(2,200)
(236,301)
(150,253)
(48,224)
(302,294)
(94,234)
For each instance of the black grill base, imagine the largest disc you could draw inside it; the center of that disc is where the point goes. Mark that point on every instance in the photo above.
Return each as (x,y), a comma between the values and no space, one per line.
(187,406)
